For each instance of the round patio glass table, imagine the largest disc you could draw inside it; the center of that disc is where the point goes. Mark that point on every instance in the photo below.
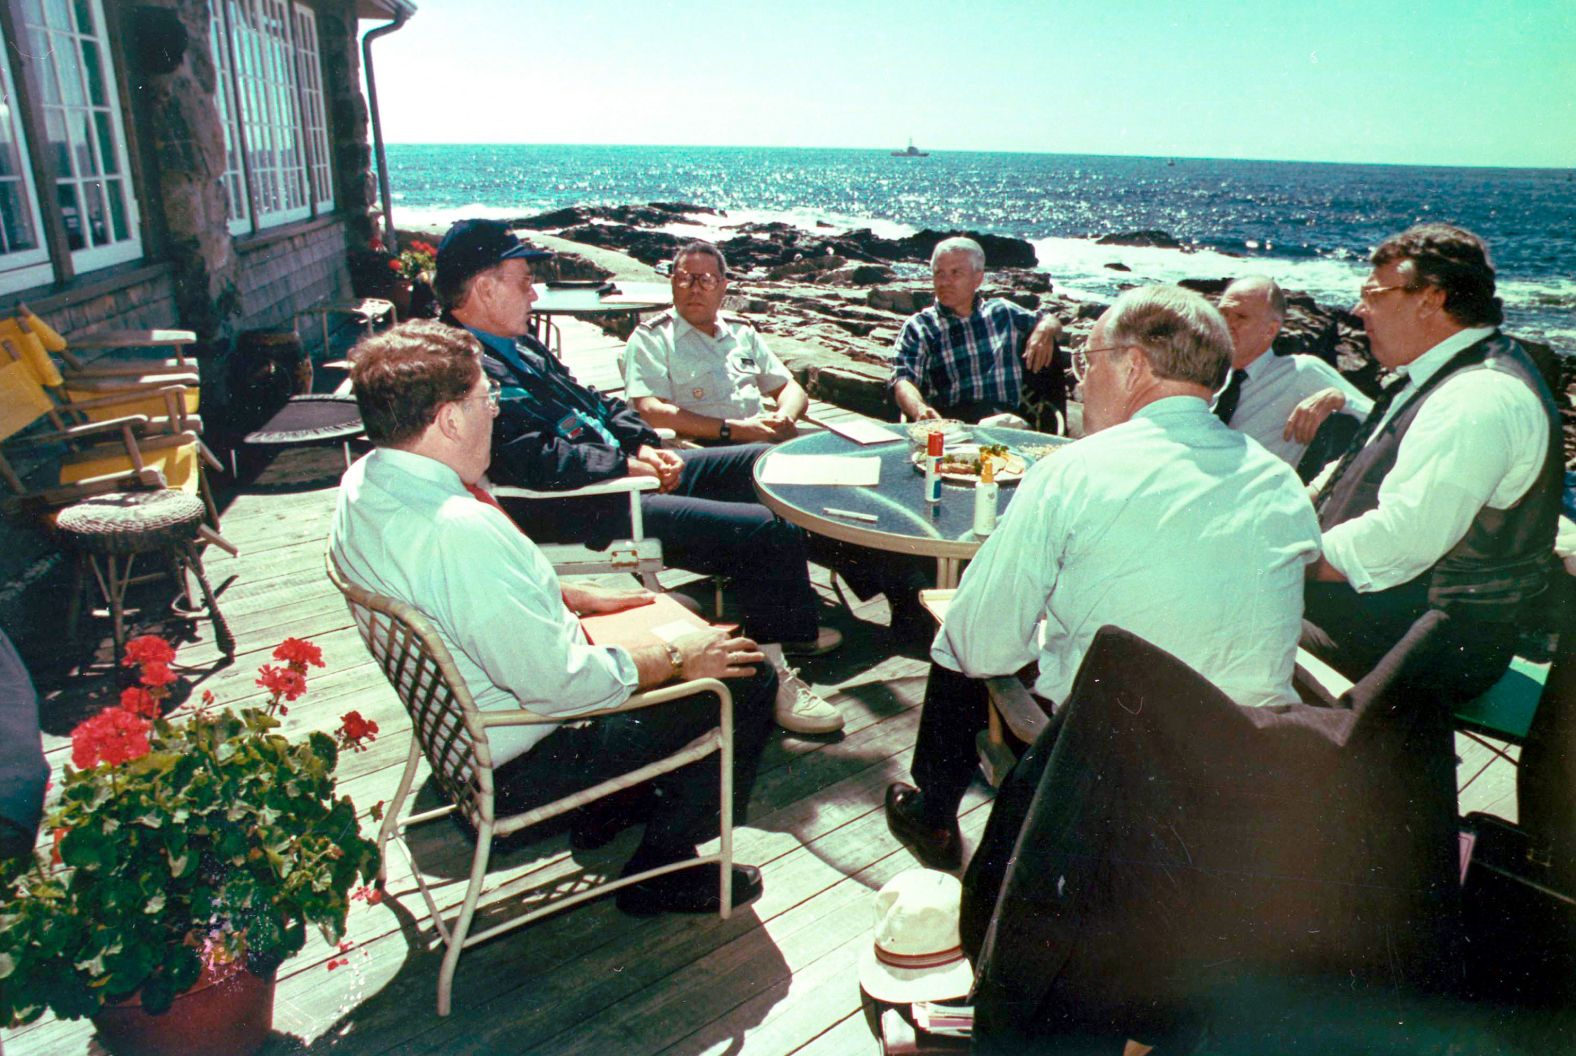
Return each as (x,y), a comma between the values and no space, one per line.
(893,515)
(552,299)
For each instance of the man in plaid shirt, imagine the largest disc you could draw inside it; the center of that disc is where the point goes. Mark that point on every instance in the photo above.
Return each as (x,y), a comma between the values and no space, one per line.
(963,357)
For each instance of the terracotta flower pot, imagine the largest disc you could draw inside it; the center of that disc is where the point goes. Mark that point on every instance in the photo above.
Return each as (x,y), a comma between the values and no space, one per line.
(228,1010)
(401,295)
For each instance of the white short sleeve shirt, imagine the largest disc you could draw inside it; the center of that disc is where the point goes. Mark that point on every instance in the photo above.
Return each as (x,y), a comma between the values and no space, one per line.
(726,375)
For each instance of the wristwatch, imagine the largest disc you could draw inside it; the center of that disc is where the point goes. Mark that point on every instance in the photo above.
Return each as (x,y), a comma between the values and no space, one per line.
(725,430)
(676,658)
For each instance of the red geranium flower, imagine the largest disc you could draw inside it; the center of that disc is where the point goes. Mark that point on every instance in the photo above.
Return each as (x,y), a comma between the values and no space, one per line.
(283,682)
(112,736)
(393,266)
(139,701)
(156,673)
(54,852)
(146,648)
(299,653)
(353,730)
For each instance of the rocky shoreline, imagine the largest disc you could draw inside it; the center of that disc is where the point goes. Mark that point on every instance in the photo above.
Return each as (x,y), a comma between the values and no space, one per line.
(833,302)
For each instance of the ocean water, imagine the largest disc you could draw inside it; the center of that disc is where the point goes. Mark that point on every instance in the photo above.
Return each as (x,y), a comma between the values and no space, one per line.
(1310,226)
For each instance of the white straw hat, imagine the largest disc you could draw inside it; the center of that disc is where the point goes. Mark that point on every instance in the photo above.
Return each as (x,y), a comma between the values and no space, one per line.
(916,955)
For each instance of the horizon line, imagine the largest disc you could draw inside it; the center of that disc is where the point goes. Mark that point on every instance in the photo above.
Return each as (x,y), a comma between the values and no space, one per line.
(1037,153)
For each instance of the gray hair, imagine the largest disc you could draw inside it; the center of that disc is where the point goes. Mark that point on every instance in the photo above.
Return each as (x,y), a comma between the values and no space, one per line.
(959,244)
(1273,294)
(705,249)
(1183,335)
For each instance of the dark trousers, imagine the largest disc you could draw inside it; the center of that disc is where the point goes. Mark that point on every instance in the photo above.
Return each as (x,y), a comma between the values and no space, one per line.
(955,710)
(711,523)
(1352,632)
(578,755)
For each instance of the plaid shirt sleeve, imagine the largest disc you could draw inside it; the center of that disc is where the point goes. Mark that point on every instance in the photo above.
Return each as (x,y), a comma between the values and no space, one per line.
(909,353)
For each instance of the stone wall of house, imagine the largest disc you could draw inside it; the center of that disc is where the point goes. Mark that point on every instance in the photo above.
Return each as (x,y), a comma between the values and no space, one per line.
(279,276)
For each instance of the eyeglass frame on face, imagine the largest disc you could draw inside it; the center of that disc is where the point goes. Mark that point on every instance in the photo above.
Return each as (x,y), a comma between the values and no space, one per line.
(493,396)
(1080,359)
(705,280)
(1367,293)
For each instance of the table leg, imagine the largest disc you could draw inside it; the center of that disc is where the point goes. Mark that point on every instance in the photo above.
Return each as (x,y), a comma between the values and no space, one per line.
(947,573)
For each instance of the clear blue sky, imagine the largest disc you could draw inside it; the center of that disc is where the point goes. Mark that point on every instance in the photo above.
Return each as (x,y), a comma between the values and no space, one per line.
(1451,82)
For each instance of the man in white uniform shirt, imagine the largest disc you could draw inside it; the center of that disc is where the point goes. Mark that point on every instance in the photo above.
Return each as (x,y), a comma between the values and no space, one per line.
(413,523)
(1161,521)
(1449,496)
(704,375)
(1280,401)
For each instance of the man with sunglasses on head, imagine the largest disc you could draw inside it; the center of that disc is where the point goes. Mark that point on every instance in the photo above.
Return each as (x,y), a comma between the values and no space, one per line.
(965,356)
(1449,495)
(553,433)
(706,374)
(1162,521)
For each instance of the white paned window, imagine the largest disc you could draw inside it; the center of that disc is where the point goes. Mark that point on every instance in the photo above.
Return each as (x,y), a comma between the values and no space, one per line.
(24,259)
(270,117)
(309,68)
(240,210)
(82,123)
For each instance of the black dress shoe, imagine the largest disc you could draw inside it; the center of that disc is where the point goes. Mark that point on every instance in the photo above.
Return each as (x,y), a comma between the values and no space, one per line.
(939,848)
(692,890)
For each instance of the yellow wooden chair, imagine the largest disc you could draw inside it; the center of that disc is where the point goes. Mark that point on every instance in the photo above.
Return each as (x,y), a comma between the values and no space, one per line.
(451,733)
(95,457)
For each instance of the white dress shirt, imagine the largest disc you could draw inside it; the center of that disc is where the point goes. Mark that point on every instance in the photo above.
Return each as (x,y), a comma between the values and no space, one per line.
(405,526)
(1478,440)
(722,376)
(1171,526)
(1275,386)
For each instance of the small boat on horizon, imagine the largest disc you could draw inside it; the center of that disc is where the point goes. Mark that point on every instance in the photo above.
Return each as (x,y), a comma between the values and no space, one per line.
(911,152)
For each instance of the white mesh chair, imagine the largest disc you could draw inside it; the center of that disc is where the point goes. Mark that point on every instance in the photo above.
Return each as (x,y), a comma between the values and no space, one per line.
(451,733)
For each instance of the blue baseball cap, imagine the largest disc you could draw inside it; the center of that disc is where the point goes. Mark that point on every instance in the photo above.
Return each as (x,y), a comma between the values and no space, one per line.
(472,246)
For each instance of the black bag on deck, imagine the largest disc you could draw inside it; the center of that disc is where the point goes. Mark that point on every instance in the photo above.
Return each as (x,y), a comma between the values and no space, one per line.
(1519,919)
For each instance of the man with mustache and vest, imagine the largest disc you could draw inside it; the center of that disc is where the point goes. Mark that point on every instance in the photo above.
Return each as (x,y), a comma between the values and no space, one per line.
(1449,494)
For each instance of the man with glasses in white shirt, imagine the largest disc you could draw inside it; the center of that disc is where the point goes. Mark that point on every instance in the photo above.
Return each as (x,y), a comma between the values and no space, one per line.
(704,374)
(1449,496)
(1161,521)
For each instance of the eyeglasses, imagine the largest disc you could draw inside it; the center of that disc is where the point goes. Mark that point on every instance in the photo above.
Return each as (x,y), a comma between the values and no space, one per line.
(493,394)
(1368,294)
(1081,359)
(706,281)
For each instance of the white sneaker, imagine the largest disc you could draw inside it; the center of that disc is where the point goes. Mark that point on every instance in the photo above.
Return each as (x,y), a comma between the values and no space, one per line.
(799,709)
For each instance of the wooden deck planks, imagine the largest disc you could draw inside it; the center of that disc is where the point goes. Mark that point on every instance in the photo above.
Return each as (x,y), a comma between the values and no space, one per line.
(780,977)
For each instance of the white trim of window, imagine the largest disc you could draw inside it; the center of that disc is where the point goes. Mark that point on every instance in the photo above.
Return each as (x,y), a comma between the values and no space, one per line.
(27,267)
(270,115)
(320,168)
(237,203)
(84,112)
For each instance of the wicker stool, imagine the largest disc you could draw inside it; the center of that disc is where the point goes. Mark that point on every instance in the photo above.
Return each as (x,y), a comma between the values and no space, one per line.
(108,532)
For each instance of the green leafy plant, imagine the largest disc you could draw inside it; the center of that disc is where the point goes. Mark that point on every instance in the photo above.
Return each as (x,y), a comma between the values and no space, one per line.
(415,261)
(203,841)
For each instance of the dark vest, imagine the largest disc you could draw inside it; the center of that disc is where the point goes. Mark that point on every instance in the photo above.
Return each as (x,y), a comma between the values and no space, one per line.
(1504,559)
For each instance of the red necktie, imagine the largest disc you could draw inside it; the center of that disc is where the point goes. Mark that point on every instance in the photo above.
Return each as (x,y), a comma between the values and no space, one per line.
(483,495)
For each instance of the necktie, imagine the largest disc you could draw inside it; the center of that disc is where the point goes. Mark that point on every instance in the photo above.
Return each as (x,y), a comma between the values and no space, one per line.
(483,495)
(1381,406)
(1226,404)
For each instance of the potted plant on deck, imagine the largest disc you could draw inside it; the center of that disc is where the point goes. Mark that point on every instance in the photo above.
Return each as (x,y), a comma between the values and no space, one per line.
(190,853)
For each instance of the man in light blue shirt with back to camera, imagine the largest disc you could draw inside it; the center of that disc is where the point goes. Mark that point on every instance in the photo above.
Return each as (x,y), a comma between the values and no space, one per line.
(1161,521)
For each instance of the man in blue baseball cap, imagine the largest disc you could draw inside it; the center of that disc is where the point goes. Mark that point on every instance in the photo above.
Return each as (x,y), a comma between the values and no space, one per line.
(552,432)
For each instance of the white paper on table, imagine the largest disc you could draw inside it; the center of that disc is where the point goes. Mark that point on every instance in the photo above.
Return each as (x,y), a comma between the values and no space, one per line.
(856,470)
(861,431)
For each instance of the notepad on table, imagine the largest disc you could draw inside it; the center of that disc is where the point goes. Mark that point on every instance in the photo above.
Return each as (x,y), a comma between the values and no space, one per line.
(852,470)
(862,431)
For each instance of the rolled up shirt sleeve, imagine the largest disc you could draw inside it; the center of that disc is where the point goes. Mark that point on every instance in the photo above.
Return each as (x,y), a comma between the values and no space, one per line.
(908,355)
(991,625)
(773,373)
(1478,440)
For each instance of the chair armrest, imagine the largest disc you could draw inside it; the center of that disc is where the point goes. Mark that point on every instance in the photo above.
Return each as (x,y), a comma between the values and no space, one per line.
(616,486)
(636,701)
(1316,681)
(127,395)
(104,339)
(79,432)
(1017,707)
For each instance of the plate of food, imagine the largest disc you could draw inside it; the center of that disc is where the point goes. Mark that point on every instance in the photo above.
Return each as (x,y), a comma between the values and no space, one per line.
(952,432)
(962,462)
